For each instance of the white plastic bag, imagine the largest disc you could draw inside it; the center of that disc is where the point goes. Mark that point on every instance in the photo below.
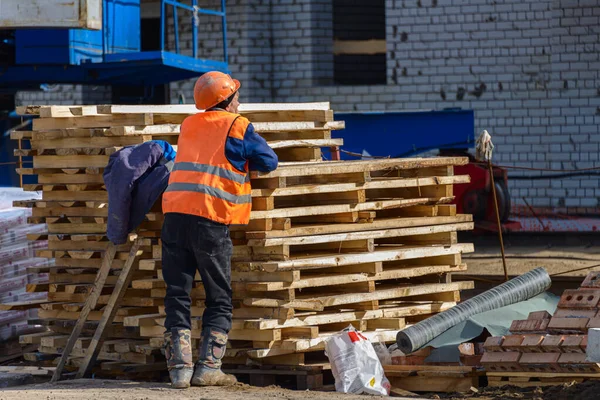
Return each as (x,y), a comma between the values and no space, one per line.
(355,365)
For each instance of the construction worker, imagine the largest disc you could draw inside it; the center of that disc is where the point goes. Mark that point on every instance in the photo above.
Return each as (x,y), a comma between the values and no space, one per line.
(209,189)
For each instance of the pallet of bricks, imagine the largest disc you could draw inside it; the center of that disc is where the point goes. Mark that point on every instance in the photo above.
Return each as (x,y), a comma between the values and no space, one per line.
(371,243)
(423,370)
(548,350)
(22,275)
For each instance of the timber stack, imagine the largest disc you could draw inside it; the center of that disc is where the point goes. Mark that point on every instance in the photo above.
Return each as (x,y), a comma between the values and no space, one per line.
(548,349)
(371,243)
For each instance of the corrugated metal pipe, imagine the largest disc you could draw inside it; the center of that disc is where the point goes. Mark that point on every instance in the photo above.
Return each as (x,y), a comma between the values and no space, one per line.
(518,289)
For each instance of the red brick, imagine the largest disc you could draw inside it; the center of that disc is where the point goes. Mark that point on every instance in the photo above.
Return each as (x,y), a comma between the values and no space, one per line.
(424,352)
(539,315)
(551,344)
(501,361)
(575,313)
(493,343)
(471,361)
(592,280)
(529,326)
(531,344)
(540,362)
(568,324)
(576,362)
(583,343)
(512,343)
(572,344)
(580,298)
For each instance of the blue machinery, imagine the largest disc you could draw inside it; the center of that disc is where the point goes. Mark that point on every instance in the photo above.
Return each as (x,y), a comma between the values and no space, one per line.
(406,133)
(110,56)
(113,55)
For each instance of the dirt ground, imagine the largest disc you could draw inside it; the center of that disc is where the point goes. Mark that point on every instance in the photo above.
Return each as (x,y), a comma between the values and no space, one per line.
(557,253)
(583,391)
(100,389)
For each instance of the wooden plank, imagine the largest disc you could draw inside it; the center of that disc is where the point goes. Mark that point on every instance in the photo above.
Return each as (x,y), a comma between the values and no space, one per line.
(407,310)
(375,184)
(71,179)
(90,304)
(284,144)
(329,280)
(345,167)
(20,369)
(386,223)
(110,310)
(92,121)
(28,110)
(21,305)
(66,111)
(372,234)
(344,208)
(382,293)
(67,195)
(71,161)
(337,260)
(190,109)
(289,115)
(444,384)
(94,142)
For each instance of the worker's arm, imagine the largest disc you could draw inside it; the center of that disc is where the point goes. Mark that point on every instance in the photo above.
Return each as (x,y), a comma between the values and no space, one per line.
(259,154)
(254,150)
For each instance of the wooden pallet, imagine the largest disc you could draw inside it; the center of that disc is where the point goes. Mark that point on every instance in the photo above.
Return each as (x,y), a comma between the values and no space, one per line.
(370,243)
(428,378)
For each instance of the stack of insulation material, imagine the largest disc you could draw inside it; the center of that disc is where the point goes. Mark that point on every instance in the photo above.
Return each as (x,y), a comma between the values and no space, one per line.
(19,268)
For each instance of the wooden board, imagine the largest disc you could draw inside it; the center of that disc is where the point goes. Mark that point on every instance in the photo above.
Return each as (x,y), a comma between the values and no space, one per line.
(346,167)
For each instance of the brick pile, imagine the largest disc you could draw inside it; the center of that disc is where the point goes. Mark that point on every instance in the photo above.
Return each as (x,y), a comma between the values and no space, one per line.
(555,344)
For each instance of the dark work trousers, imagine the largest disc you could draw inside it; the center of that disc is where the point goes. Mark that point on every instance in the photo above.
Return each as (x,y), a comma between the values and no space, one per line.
(190,244)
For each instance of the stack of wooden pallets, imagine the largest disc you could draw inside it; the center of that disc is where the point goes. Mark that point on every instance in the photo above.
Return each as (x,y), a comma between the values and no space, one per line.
(368,243)
(548,349)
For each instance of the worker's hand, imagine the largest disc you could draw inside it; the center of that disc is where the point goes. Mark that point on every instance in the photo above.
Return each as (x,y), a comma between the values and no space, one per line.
(484,146)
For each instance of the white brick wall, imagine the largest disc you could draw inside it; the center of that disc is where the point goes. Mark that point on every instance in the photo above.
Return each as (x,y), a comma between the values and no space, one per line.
(529,68)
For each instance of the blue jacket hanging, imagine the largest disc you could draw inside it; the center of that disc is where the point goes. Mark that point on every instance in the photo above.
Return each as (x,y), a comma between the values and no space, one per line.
(135,177)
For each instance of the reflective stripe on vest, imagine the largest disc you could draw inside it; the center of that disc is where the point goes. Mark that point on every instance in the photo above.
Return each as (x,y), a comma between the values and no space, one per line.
(203,182)
(213,170)
(221,194)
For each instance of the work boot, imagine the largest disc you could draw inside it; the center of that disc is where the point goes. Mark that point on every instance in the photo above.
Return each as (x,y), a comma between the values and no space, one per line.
(178,351)
(208,369)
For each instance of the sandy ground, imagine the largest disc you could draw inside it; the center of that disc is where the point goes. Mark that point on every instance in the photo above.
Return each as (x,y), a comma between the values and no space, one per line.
(556,253)
(100,389)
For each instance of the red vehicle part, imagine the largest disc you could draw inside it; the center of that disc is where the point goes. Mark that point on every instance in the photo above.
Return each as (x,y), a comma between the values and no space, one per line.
(476,197)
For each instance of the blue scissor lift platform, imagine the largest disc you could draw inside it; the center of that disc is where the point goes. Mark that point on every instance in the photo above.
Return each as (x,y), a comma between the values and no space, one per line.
(112,55)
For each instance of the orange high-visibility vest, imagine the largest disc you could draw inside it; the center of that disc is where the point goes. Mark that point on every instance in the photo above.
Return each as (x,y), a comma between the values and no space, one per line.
(203,182)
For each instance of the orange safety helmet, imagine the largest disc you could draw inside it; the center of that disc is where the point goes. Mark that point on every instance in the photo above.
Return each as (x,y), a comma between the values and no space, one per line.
(212,88)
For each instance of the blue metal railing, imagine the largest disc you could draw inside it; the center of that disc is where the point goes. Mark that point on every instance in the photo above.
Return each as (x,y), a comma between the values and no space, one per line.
(195,10)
